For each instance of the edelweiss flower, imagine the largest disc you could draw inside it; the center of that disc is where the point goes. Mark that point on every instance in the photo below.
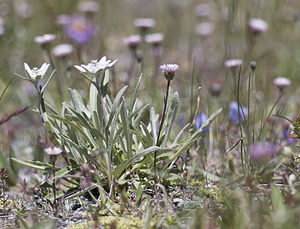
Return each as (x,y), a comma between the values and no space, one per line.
(36,73)
(94,66)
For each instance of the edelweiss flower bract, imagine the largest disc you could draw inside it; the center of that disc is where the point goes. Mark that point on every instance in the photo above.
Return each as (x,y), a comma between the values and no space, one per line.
(36,73)
(94,66)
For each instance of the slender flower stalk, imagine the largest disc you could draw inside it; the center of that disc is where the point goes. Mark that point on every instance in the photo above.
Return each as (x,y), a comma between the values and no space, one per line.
(169,72)
(53,152)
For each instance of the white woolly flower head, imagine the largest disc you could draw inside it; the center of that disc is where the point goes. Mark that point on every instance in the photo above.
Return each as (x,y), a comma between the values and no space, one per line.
(36,73)
(94,66)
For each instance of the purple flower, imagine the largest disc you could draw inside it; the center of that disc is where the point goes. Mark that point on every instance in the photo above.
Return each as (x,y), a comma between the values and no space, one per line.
(287,136)
(200,120)
(169,70)
(79,29)
(236,111)
(263,151)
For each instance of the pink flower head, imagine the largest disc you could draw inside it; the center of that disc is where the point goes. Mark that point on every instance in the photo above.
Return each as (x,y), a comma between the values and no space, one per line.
(45,39)
(53,151)
(258,25)
(282,82)
(155,38)
(169,70)
(62,50)
(133,41)
(233,63)
(144,23)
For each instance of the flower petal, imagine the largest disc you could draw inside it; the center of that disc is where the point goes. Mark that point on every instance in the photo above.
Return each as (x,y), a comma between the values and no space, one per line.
(27,70)
(112,63)
(81,69)
(44,69)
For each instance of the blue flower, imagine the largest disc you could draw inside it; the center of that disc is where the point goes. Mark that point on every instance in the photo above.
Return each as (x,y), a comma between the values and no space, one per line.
(236,111)
(287,137)
(200,120)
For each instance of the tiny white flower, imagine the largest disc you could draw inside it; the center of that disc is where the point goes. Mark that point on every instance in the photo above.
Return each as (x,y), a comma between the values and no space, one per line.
(36,73)
(94,66)
(53,151)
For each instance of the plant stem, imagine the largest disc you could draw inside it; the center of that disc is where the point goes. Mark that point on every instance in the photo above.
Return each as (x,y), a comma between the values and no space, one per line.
(53,185)
(159,130)
(103,109)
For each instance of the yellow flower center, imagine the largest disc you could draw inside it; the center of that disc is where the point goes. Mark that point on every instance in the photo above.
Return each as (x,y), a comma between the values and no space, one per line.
(78,25)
